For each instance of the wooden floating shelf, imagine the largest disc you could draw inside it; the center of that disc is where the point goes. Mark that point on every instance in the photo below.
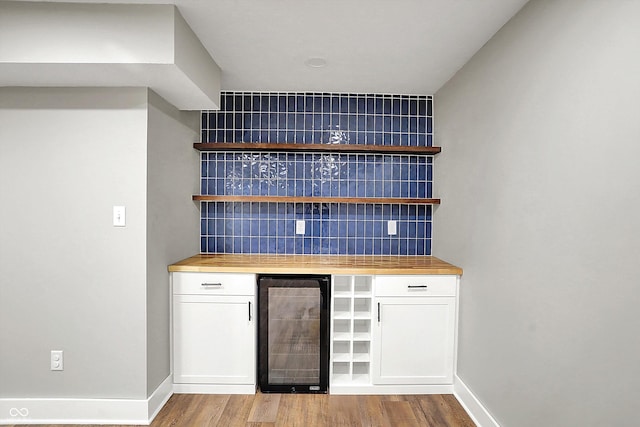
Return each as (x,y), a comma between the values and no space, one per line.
(293,199)
(341,148)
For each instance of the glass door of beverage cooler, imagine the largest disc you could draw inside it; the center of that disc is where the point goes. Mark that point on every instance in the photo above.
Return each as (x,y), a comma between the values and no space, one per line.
(293,333)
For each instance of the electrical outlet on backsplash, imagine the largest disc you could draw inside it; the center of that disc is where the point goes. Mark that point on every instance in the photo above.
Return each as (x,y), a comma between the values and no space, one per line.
(331,228)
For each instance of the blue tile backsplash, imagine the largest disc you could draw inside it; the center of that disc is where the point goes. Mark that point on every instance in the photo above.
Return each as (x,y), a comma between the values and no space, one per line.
(315,174)
(321,118)
(330,228)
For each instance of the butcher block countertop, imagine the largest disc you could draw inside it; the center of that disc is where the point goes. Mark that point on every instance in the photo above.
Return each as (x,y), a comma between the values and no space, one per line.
(315,264)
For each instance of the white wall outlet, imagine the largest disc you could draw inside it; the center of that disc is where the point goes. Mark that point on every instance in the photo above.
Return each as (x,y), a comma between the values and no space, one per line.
(57,360)
(119,216)
(392,228)
(300,226)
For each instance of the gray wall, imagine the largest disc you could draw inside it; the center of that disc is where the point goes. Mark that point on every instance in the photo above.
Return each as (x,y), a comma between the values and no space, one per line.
(540,183)
(69,279)
(173,229)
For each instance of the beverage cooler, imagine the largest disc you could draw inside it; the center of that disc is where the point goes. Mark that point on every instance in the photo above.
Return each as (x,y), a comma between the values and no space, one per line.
(293,337)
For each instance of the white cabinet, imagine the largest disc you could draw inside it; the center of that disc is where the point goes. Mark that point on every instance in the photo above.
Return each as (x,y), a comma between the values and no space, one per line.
(393,334)
(214,332)
(414,330)
(389,334)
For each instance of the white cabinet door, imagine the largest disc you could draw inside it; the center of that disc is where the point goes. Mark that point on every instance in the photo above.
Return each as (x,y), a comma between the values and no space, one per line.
(214,339)
(413,340)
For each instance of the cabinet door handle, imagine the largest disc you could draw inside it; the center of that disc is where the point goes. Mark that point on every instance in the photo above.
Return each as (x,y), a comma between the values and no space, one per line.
(211,284)
(249,311)
(378,312)
(417,286)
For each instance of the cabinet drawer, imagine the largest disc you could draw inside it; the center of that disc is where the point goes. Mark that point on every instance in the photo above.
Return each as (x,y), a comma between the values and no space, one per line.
(214,283)
(407,285)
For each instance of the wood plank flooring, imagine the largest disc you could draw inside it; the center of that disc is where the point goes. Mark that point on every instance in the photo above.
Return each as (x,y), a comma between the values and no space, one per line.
(311,410)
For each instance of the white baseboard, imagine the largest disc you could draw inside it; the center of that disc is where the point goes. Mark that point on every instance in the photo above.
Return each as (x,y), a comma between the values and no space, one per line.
(472,405)
(159,397)
(85,411)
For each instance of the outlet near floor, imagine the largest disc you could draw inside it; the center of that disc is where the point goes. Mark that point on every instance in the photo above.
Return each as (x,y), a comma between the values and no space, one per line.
(57,360)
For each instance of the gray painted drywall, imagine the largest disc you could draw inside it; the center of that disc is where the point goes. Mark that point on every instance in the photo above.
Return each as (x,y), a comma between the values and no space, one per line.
(540,184)
(70,280)
(172,220)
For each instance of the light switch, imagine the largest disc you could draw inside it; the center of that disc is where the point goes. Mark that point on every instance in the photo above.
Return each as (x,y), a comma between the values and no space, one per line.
(391,228)
(300,228)
(119,216)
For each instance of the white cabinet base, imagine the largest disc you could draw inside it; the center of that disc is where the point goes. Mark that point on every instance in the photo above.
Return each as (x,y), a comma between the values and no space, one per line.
(214,388)
(389,334)
(393,334)
(214,339)
(392,389)
(414,340)
(214,333)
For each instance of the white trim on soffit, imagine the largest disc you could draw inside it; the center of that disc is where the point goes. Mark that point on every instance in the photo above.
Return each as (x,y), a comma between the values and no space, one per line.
(472,405)
(86,411)
(107,45)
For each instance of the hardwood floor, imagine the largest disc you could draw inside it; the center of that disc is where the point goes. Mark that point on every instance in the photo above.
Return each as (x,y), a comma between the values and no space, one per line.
(311,410)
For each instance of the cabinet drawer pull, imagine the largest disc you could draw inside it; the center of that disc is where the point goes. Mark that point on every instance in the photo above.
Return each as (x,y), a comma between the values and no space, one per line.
(211,284)
(417,286)
(249,311)
(378,312)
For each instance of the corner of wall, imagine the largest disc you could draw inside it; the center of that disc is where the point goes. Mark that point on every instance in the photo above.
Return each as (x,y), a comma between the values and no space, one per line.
(172,218)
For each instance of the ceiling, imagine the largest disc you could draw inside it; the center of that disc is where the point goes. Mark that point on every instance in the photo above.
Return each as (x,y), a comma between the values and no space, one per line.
(370,46)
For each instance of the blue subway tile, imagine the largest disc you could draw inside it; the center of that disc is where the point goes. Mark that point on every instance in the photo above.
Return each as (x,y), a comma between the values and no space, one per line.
(396,125)
(413,106)
(378,107)
(335,103)
(370,105)
(422,106)
(413,124)
(395,106)
(402,246)
(386,106)
(326,104)
(238,103)
(404,106)
(344,104)
(308,104)
(273,103)
(404,125)
(265,102)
